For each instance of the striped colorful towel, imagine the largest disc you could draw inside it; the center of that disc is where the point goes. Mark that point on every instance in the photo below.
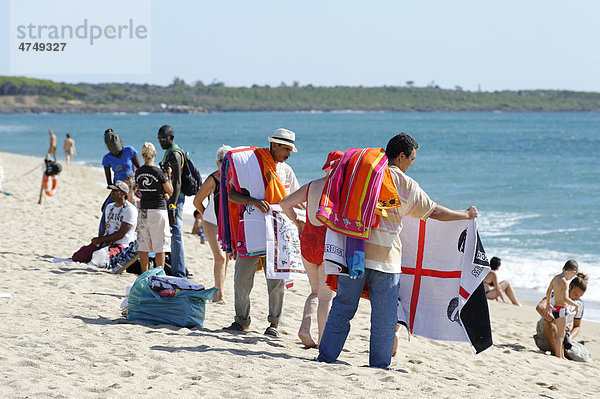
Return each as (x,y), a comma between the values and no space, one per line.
(358,186)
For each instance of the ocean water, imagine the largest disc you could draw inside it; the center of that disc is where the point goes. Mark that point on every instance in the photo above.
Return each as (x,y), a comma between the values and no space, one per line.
(533,176)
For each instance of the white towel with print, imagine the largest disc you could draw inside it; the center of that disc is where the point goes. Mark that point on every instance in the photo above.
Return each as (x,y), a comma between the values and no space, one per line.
(283,260)
(249,177)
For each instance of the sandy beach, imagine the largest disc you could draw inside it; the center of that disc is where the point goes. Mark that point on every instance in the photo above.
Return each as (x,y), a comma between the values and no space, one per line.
(63,335)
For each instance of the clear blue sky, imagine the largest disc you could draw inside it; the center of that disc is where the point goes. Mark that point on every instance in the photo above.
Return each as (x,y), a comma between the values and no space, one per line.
(499,45)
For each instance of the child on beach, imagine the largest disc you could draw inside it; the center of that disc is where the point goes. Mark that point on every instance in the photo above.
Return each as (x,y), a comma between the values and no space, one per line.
(560,289)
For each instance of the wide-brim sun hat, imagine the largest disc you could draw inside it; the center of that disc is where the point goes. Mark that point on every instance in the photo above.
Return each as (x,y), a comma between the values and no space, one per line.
(285,137)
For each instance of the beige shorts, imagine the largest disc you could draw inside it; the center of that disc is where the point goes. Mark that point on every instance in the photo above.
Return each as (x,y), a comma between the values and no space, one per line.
(153,231)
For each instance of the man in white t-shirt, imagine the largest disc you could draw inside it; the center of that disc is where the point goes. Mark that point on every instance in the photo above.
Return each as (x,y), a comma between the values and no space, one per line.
(119,230)
(546,329)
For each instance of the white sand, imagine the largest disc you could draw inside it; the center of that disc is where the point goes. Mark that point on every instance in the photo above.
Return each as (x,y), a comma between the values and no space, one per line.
(62,335)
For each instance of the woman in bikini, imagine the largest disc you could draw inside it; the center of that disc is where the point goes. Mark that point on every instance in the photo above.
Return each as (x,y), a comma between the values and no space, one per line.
(210,216)
(495,289)
(312,242)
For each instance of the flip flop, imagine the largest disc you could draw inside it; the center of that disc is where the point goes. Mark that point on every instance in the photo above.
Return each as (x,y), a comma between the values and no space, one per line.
(272,332)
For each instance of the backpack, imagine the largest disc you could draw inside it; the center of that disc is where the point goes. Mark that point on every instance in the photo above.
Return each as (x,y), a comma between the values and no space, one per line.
(51,167)
(191,179)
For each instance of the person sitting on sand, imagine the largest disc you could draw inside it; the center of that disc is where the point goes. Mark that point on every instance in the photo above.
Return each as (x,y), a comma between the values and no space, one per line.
(312,242)
(119,230)
(69,148)
(495,289)
(558,290)
(209,218)
(545,337)
(154,234)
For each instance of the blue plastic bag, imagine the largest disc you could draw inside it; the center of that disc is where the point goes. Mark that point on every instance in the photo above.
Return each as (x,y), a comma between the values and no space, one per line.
(185,309)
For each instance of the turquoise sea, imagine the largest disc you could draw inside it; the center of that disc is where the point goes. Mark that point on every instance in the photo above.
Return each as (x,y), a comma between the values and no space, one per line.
(533,176)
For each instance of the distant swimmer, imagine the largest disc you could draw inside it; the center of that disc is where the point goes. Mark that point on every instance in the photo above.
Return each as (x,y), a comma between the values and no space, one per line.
(52,148)
(69,148)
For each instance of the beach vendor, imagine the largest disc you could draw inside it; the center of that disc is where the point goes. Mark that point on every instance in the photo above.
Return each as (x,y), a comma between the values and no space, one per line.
(119,228)
(546,328)
(396,195)
(254,178)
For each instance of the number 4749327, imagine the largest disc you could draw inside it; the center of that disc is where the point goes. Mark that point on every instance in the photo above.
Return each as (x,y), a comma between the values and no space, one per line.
(42,46)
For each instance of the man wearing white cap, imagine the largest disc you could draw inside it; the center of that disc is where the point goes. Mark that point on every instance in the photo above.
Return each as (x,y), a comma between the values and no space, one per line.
(282,145)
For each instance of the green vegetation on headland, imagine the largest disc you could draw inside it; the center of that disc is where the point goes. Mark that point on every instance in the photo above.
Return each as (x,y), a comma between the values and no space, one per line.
(18,94)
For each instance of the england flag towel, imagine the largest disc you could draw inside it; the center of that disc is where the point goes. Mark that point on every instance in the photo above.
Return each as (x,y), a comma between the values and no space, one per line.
(441,293)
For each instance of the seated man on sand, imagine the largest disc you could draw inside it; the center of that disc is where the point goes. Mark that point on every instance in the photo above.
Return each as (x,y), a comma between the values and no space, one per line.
(494,288)
(119,228)
(546,329)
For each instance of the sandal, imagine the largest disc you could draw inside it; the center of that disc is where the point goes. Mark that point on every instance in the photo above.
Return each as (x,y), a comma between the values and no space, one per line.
(272,332)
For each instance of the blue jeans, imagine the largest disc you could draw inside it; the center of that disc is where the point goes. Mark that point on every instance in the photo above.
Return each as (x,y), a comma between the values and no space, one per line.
(177,258)
(383,291)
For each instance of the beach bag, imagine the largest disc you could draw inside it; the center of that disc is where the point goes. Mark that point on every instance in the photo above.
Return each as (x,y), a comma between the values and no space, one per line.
(191,179)
(51,167)
(185,309)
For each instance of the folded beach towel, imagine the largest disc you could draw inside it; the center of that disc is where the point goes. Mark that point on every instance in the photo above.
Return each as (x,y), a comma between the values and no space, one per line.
(356,187)
(344,255)
(283,260)
(252,171)
(441,292)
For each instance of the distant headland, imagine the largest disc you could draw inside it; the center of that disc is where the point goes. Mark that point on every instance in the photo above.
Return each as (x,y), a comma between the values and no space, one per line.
(27,95)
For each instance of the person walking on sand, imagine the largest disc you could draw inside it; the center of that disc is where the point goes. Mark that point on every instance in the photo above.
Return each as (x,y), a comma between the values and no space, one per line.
(69,148)
(209,216)
(494,289)
(53,141)
(153,232)
(173,160)
(312,243)
(559,287)
(383,255)
(276,180)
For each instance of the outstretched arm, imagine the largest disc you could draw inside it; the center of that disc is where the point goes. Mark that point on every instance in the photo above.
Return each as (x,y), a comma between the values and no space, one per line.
(294,199)
(444,214)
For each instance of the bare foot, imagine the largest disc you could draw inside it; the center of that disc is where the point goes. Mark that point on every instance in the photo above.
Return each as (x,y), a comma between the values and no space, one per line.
(395,345)
(306,340)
